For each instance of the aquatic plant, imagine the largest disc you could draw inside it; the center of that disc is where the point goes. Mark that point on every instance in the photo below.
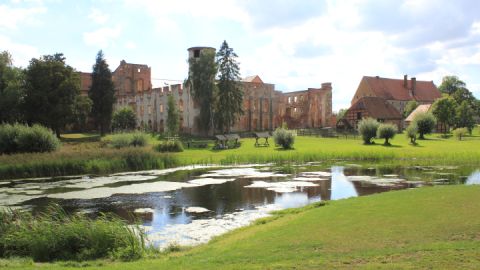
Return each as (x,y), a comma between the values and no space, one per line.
(55,235)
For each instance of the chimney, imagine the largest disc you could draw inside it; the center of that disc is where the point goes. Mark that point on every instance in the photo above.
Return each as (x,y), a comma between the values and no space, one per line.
(414,85)
(405,81)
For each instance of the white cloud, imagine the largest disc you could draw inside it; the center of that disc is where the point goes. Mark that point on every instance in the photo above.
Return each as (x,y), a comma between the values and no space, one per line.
(21,53)
(130,45)
(12,17)
(98,16)
(102,37)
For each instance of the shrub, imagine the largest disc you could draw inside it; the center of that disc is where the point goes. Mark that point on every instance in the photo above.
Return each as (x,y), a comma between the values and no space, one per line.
(411,133)
(386,131)
(284,137)
(37,139)
(124,119)
(121,140)
(425,123)
(22,138)
(368,129)
(139,139)
(8,135)
(169,146)
(54,235)
(459,133)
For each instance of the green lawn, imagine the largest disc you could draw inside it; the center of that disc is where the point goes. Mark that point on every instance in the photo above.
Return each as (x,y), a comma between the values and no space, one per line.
(426,228)
(434,150)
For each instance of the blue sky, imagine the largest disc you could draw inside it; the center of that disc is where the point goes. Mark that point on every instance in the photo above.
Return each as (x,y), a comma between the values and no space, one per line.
(294,44)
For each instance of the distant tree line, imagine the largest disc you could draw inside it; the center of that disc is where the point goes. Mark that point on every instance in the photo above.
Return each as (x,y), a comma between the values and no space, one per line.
(47,92)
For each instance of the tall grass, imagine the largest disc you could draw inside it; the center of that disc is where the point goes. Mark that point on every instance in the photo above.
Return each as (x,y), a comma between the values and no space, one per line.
(54,235)
(97,161)
(121,140)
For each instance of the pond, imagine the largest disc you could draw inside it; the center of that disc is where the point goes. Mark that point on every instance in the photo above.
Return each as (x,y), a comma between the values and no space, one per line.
(190,205)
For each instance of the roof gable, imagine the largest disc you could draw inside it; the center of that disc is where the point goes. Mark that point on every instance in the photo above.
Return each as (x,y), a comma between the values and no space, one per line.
(253,79)
(419,109)
(394,89)
(377,108)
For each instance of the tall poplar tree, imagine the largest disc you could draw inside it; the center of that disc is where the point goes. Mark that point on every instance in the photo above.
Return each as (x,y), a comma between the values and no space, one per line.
(230,96)
(102,94)
(201,80)
(172,116)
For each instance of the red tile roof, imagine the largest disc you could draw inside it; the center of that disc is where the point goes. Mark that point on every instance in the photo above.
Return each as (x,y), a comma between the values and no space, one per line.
(393,89)
(377,108)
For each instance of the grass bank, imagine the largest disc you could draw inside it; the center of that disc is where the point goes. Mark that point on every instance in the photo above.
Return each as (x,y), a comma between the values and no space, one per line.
(88,157)
(433,151)
(426,228)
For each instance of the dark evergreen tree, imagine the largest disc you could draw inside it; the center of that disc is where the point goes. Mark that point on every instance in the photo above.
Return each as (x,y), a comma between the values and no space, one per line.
(51,89)
(82,109)
(201,81)
(230,96)
(172,117)
(102,94)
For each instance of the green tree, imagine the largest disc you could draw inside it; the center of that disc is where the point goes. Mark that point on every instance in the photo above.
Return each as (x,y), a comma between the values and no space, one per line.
(172,116)
(341,113)
(464,116)
(12,90)
(425,123)
(230,96)
(367,128)
(201,80)
(124,119)
(102,93)
(387,132)
(410,107)
(444,111)
(51,89)
(82,108)
(411,133)
(450,84)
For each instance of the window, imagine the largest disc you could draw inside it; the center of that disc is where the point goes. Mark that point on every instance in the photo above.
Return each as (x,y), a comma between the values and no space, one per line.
(289,100)
(295,99)
(359,115)
(196,53)
(161,108)
(149,109)
(138,70)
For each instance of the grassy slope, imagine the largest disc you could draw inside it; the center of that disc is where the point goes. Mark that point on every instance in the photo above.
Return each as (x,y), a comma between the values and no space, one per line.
(434,227)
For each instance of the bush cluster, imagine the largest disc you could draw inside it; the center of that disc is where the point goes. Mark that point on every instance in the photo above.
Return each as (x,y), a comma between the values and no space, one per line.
(18,138)
(169,146)
(368,129)
(54,235)
(459,133)
(411,133)
(387,132)
(121,140)
(284,137)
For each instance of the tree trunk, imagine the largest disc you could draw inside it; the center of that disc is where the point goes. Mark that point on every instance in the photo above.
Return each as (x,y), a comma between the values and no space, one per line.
(57,132)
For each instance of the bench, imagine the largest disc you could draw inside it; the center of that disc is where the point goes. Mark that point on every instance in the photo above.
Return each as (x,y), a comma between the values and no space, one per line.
(262,135)
(220,142)
(234,138)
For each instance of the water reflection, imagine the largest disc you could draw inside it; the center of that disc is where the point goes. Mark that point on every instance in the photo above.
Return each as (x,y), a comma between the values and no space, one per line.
(474,178)
(341,187)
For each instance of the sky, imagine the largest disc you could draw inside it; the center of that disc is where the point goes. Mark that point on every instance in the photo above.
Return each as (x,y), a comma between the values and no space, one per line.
(294,44)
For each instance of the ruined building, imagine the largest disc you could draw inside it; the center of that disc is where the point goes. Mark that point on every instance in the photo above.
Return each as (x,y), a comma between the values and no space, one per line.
(264,107)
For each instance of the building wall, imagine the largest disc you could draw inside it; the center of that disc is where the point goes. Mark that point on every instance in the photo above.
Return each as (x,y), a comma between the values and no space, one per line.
(130,79)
